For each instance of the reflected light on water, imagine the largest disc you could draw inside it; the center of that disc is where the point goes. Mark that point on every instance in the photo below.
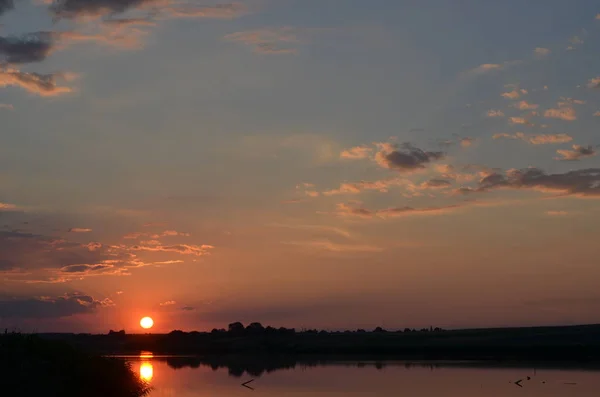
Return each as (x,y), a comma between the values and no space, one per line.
(146,371)
(145,354)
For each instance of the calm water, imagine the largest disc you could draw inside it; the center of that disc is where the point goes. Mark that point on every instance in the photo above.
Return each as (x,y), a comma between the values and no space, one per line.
(177,378)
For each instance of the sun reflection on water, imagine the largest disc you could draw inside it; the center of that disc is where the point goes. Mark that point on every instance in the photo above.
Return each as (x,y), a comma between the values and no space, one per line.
(146,371)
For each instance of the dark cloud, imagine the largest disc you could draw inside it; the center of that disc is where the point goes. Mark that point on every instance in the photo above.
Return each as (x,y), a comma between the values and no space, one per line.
(81,8)
(47,258)
(63,306)
(187,308)
(405,158)
(95,8)
(32,47)
(584,182)
(6,5)
(394,212)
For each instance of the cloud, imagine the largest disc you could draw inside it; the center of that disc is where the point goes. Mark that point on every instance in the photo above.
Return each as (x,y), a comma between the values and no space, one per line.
(514,94)
(524,105)
(354,210)
(328,229)
(495,113)
(557,213)
(79,9)
(467,141)
(566,113)
(188,308)
(218,11)
(7,207)
(32,47)
(6,5)
(184,249)
(20,250)
(578,152)
(326,245)
(79,230)
(154,236)
(594,83)
(539,139)
(436,184)
(579,183)
(492,67)
(405,158)
(357,187)
(168,303)
(519,120)
(487,67)
(268,41)
(356,153)
(46,307)
(541,52)
(7,106)
(597,113)
(40,84)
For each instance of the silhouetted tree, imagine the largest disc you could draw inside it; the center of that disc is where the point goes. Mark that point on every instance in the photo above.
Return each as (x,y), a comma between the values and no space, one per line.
(379,330)
(255,328)
(236,328)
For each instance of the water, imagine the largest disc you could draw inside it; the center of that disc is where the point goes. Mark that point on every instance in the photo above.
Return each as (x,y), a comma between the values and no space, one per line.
(186,377)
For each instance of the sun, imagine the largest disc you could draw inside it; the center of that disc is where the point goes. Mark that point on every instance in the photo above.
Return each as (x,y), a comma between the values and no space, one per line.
(146,323)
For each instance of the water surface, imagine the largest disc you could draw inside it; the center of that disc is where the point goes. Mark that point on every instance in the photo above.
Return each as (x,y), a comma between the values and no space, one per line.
(186,377)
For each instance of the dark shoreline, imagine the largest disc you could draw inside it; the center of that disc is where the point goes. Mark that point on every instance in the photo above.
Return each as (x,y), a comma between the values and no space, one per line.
(569,344)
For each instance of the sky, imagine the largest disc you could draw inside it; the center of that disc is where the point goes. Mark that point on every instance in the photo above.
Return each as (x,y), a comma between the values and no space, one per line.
(332,164)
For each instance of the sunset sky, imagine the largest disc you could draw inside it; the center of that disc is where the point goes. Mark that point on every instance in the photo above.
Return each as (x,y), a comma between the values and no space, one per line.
(302,163)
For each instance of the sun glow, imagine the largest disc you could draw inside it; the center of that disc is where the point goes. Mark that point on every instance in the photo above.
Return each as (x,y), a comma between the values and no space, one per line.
(146,371)
(146,323)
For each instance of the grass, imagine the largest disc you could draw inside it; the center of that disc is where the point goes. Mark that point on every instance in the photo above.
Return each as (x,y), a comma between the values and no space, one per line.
(31,366)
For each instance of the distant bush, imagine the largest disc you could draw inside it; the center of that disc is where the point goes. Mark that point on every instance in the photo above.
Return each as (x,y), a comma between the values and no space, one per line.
(31,366)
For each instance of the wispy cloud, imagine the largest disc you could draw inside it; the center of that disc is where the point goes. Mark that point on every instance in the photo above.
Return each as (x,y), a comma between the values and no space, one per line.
(318,228)
(579,152)
(495,113)
(538,139)
(594,83)
(524,105)
(358,187)
(168,303)
(7,106)
(79,230)
(41,84)
(326,245)
(519,120)
(218,11)
(514,94)
(541,52)
(186,249)
(492,67)
(356,210)
(557,213)
(268,41)
(357,153)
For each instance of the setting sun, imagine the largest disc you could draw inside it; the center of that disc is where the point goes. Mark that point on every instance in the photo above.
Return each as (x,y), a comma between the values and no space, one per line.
(146,322)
